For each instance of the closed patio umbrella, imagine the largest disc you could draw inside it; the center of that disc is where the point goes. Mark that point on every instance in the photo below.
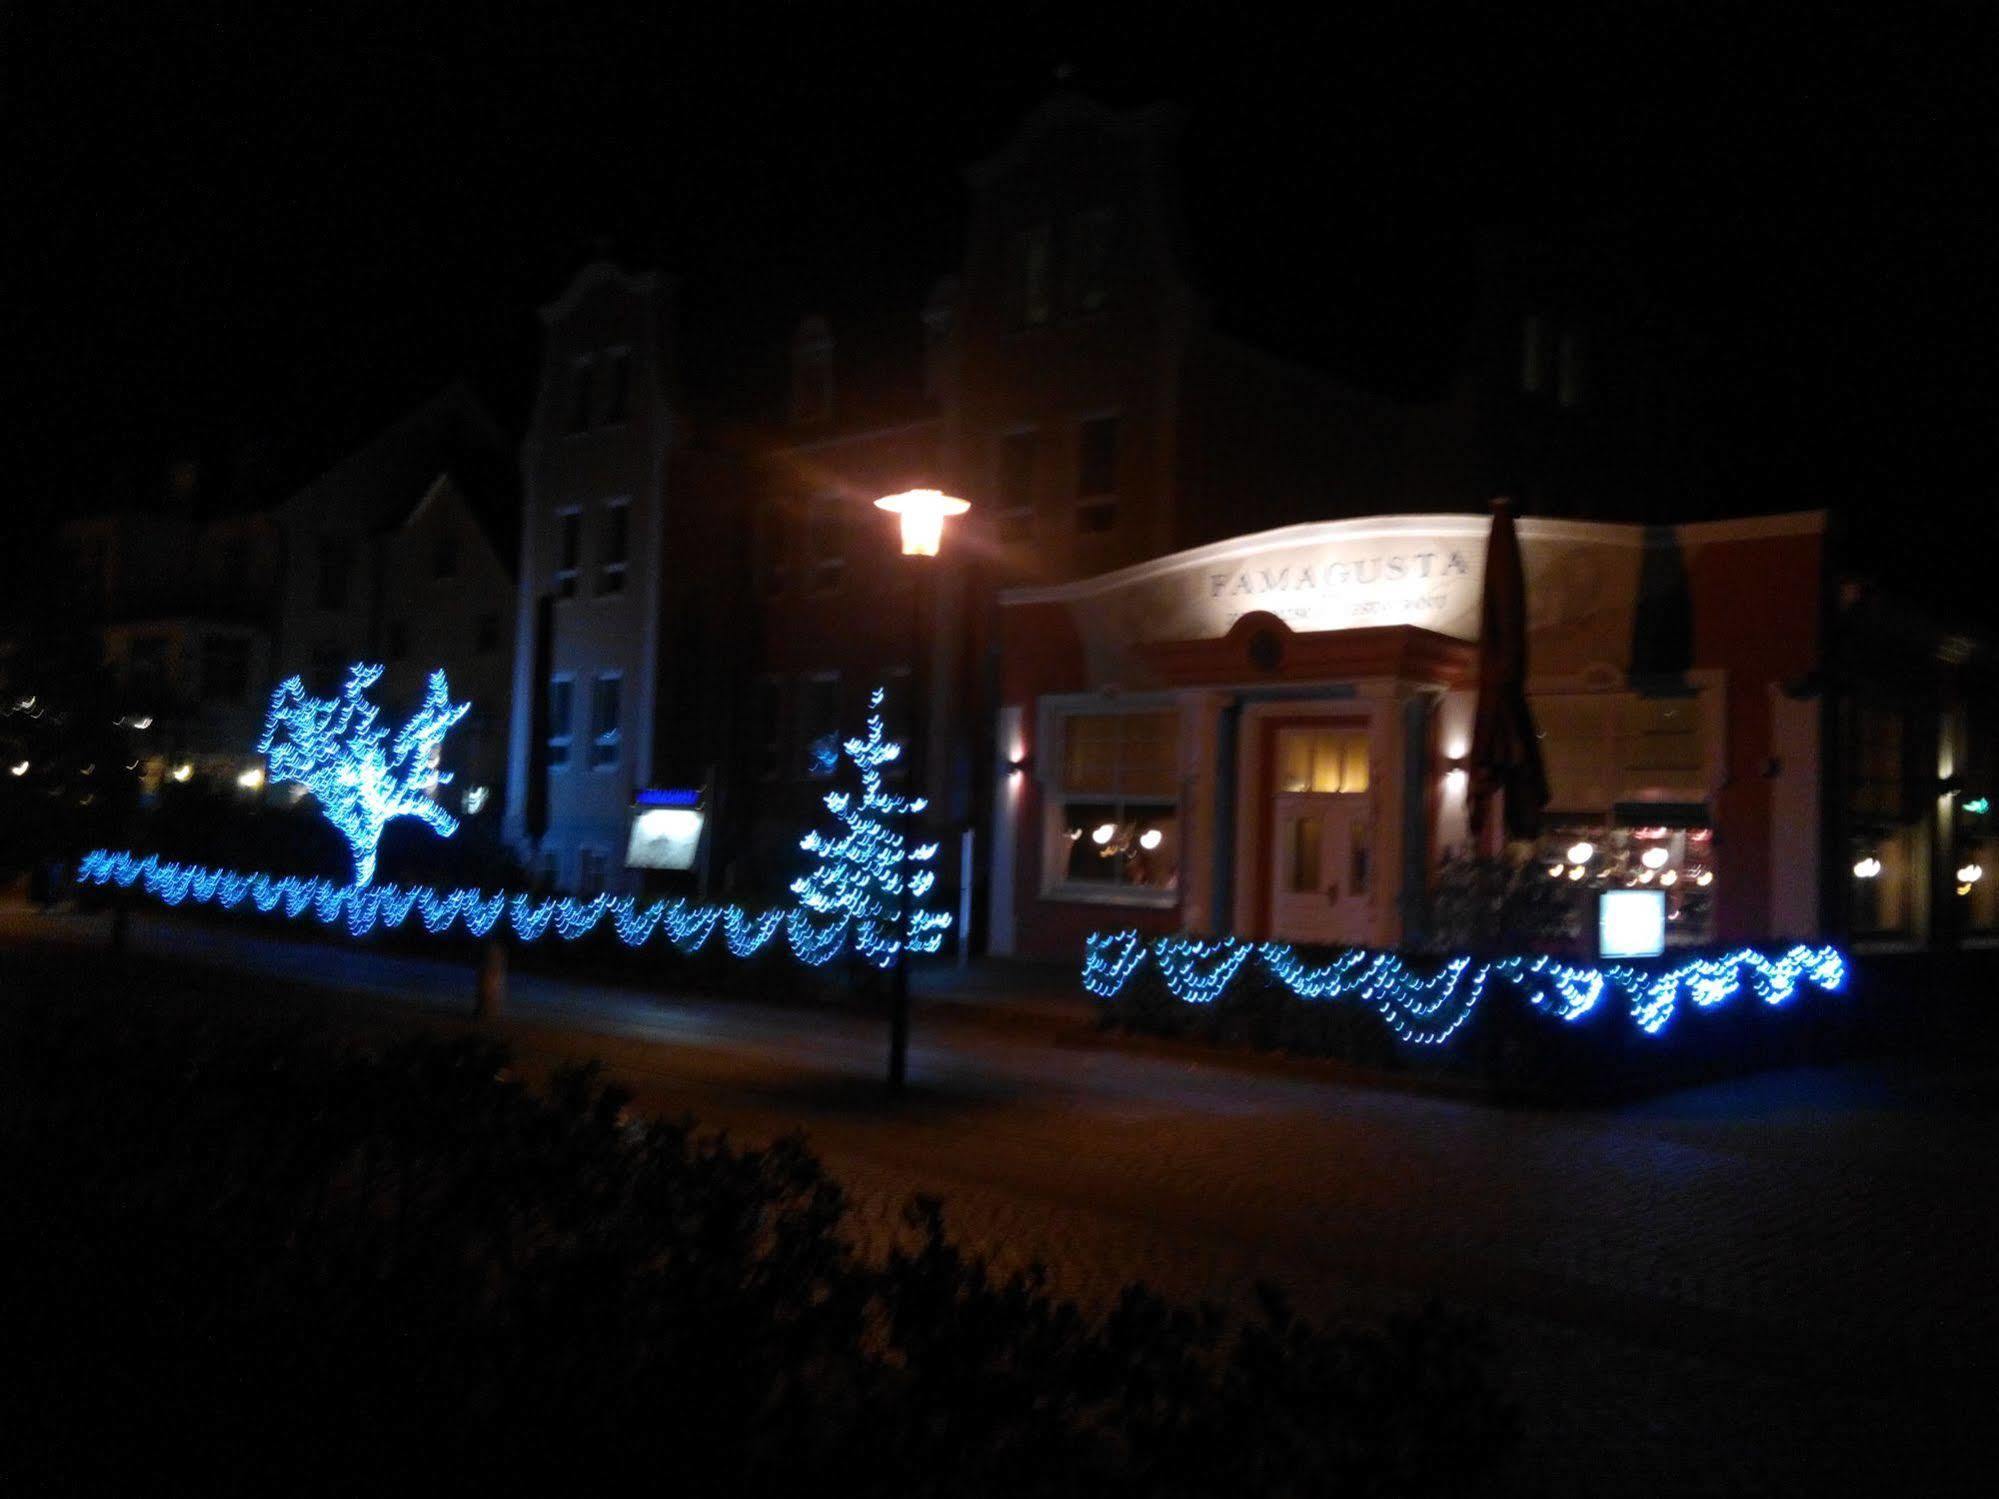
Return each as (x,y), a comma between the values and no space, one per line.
(1505,750)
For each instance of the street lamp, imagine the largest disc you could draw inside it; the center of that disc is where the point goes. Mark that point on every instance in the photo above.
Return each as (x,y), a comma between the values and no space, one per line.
(922,513)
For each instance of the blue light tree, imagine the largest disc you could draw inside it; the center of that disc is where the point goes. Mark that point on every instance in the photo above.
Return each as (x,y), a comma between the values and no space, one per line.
(363,779)
(860,873)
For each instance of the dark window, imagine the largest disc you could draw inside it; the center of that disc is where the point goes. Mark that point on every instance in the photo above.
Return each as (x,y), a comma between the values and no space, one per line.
(1016,486)
(773,544)
(444,557)
(612,548)
(819,725)
(605,694)
(579,395)
(766,726)
(399,639)
(225,668)
(618,372)
(1029,270)
(1096,474)
(336,562)
(486,634)
(568,550)
(561,720)
(828,542)
(1089,259)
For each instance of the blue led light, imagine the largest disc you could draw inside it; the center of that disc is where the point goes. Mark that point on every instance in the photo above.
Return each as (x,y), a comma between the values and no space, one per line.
(362,909)
(861,873)
(363,779)
(668,796)
(1427,1010)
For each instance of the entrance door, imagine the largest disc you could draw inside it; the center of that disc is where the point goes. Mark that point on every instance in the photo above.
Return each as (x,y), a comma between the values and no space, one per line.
(1322,871)
(1321,852)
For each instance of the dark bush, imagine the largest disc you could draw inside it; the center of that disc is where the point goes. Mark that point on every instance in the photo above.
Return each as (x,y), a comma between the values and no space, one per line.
(250,1257)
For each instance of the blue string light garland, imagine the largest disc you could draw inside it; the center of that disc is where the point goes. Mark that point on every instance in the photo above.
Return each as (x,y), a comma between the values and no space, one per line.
(1427,1010)
(362,909)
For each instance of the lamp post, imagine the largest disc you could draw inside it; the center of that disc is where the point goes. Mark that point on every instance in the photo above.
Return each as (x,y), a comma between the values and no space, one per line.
(922,513)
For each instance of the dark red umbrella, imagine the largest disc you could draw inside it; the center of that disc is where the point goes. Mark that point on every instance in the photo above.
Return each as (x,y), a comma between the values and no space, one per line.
(1505,750)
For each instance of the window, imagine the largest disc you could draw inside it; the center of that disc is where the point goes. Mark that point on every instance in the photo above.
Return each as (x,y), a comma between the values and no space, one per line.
(767,727)
(580,382)
(1601,748)
(1116,806)
(819,724)
(444,557)
(1879,756)
(336,562)
(618,376)
(1016,486)
(593,869)
(486,634)
(225,668)
(614,541)
(1321,759)
(773,538)
(1535,348)
(568,550)
(1089,259)
(827,542)
(605,693)
(1577,859)
(1096,474)
(1029,271)
(1571,386)
(812,371)
(561,720)
(398,645)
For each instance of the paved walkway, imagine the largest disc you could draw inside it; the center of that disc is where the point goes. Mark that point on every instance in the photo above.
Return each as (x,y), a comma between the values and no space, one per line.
(1764,1286)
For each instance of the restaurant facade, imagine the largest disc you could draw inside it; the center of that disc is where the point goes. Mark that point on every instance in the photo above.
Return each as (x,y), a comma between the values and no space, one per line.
(1269,737)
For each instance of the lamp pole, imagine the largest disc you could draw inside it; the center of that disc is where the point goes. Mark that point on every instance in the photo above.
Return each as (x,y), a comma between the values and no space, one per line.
(922,513)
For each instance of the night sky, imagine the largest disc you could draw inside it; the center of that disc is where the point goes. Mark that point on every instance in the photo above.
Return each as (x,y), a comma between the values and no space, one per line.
(258,231)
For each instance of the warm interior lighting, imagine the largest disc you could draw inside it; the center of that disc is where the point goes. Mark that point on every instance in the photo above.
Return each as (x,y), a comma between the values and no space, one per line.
(19,769)
(1150,839)
(251,779)
(1971,874)
(1581,853)
(1577,872)
(1867,868)
(1704,878)
(183,772)
(1654,858)
(923,512)
(1670,877)
(1103,834)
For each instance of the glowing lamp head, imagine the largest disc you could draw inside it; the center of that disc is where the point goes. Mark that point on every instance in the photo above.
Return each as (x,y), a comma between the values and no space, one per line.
(1970,874)
(1582,853)
(1867,868)
(251,779)
(1654,858)
(183,772)
(1150,839)
(1103,833)
(923,512)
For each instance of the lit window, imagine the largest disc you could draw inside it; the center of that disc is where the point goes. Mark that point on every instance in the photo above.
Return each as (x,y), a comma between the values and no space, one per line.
(1115,811)
(1096,474)
(561,720)
(605,695)
(1321,759)
(568,550)
(614,544)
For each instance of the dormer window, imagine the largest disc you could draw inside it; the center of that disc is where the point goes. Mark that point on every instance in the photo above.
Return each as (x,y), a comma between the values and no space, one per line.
(812,371)
(1028,271)
(1089,260)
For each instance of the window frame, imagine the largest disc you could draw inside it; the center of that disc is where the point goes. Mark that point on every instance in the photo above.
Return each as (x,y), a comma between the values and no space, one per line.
(608,567)
(562,733)
(566,575)
(612,739)
(1051,746)
(1088,500)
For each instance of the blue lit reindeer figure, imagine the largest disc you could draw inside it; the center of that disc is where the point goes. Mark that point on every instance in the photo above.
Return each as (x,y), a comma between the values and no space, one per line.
(334,748)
